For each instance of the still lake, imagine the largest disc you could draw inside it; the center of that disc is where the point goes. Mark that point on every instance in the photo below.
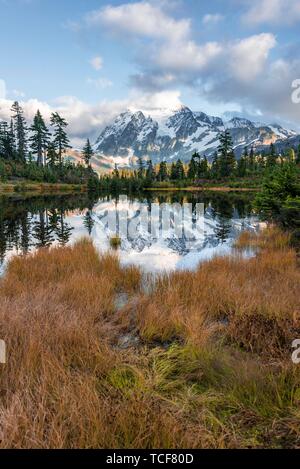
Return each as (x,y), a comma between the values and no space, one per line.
(35,222)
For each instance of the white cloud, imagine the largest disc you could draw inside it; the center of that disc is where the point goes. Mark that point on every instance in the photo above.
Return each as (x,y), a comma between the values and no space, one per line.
(273,11)
(97,63)
(99,82)
(187,55)
(2,89)
(18,93)
(212,18)
(140,18)
(86,120)
(248,56)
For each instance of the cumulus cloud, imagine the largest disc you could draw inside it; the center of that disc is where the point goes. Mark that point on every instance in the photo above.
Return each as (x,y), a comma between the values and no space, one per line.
(248,56)
(224,72)
(273,11)
(212,18)
(187,55)
(173,56)
(96,63)
(87,120)
(140,18)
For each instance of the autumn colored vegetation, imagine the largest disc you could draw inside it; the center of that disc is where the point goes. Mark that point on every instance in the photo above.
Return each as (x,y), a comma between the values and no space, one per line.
(98,356)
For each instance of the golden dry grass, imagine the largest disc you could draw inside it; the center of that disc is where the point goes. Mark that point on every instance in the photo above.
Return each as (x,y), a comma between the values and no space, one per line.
(212,367)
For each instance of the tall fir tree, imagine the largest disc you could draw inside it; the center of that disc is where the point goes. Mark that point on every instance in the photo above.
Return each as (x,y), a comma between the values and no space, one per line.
(215,166)
(251,160)
(242,166)
(226,155)
(203,168)
(163,172)
(150,172)
(60,138)
(193,166)
(52,157)
(141,168)
(179,170)
(116,173)
(20,129)
(173,172)
(87,153)
(272,156)
(7,141)
(39,138)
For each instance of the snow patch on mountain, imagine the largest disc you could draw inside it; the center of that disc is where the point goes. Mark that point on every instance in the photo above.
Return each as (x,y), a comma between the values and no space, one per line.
(166,134)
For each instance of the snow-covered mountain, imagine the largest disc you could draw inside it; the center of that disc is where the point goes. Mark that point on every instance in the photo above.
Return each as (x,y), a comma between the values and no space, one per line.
(172,134)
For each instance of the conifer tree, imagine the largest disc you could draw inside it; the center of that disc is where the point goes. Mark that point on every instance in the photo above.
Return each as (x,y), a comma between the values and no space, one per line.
(150,173)
(242,166)
(226,155)
(116,172)
(173,173)
(193,167)
(140,168)
(215,167)
(60,138)
(179,170)
(39,138)
(87,153)
(203,168)
(252,160)
(7,141)
(271,157)
(163,171)
(20,129)
(52,156)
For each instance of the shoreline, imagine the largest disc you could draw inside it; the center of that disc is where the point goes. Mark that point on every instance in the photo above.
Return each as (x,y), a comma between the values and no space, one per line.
(202,189)
(32,188)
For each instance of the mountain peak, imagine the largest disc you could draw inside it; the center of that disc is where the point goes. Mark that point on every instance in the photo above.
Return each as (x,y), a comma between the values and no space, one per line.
(169,134)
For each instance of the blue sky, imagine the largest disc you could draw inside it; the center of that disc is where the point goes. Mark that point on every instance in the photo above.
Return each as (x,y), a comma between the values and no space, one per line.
(91,59)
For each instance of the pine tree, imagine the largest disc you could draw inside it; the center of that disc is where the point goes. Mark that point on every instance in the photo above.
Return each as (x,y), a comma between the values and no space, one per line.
(116,173)
(193,167)
(39,138)
(203,168)
(52,156)
(173,173)
(7,141)
(140,168)
(271,157)
(252,160)
(87,153)
(150,173)
(163,171)
(226,155)
(179,170)
(20,129)
(215,166)
(60,139)
(242,166)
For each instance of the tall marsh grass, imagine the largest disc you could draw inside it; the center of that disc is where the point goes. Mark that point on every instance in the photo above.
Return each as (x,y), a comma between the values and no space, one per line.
(211,367)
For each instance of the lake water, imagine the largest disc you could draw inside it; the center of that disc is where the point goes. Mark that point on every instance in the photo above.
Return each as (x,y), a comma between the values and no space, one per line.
(30,223)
